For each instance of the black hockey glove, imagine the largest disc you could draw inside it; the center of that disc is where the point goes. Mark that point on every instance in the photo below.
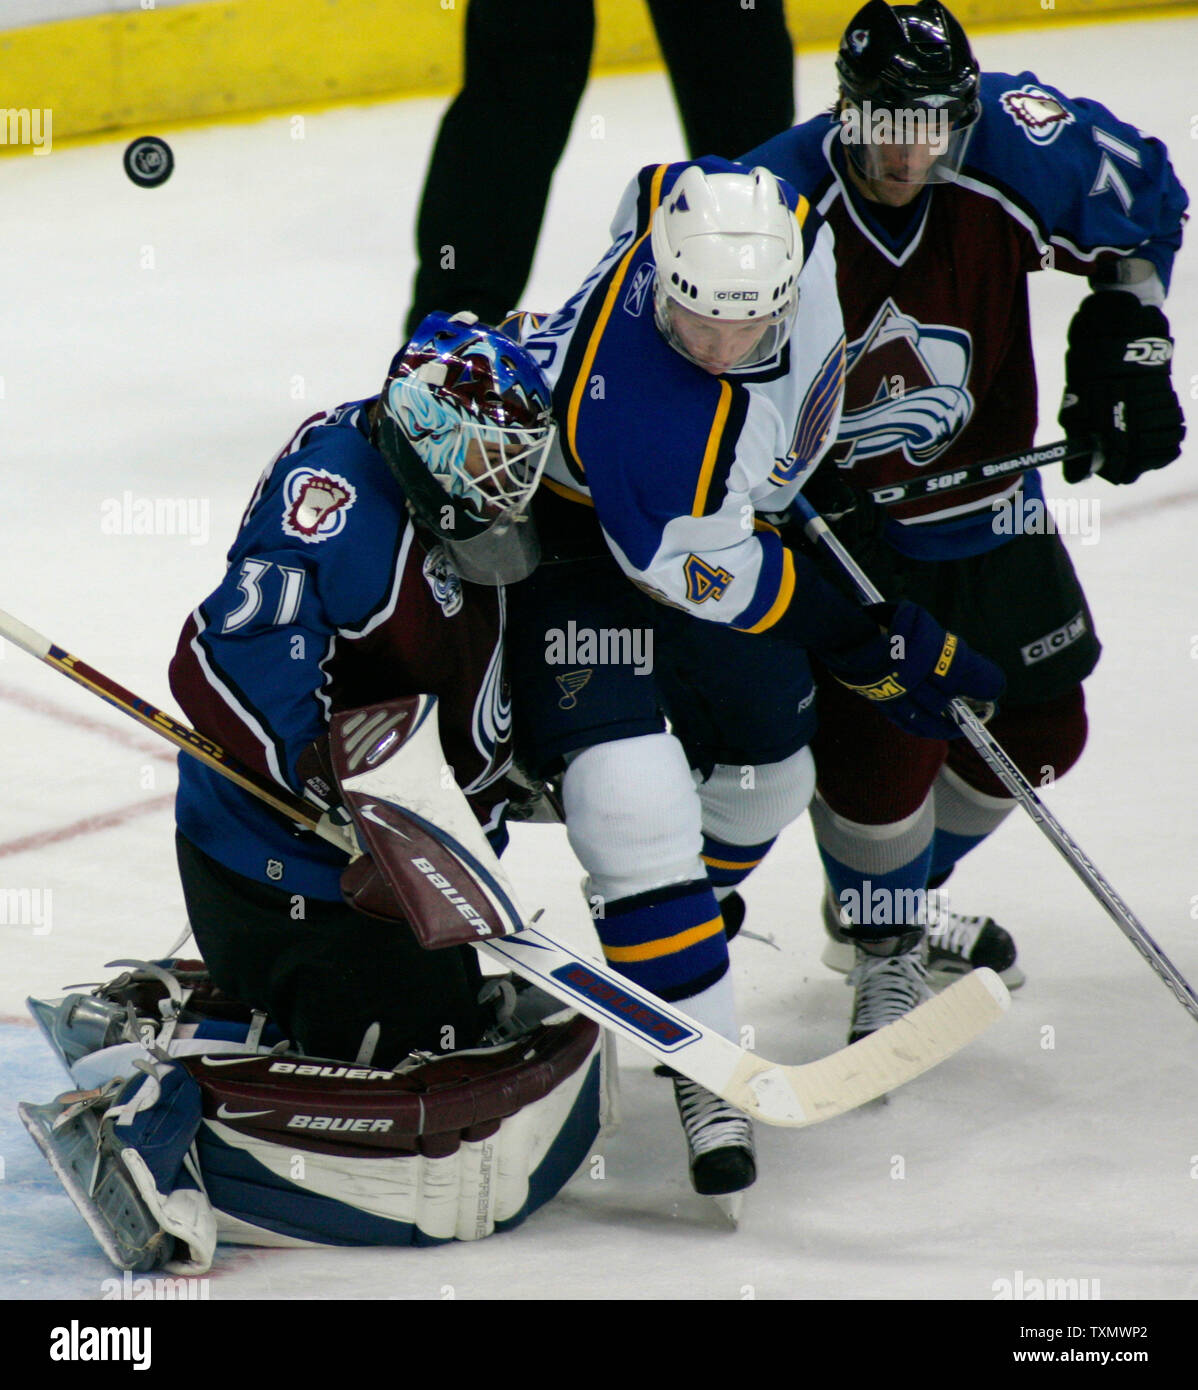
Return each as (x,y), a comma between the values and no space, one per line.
(857,521)
(913,671)
(1117,388)
(851,512)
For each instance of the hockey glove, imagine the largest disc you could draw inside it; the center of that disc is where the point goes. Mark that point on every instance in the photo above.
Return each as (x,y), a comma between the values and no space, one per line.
(851,512)
(1117,388)
(915,669)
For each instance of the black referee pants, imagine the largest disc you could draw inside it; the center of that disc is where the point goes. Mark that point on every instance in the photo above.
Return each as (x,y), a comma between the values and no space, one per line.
(526,66)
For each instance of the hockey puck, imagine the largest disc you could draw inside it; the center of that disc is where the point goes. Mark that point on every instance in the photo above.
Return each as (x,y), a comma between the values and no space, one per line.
(149,161)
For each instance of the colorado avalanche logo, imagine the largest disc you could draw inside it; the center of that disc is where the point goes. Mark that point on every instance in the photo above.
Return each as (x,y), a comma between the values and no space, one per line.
(1041,117)
(905,389)
(315,504)
(443,580)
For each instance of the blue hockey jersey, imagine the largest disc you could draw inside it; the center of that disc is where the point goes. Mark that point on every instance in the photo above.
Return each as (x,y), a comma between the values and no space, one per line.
(331,601)
(940,370)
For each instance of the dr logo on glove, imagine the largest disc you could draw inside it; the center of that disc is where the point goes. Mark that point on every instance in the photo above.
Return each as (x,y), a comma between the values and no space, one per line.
(1117,388)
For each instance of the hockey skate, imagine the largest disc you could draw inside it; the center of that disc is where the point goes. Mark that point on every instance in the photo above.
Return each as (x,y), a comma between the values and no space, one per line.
(79,1148)
(956,944)
(719,1141)
(891,978)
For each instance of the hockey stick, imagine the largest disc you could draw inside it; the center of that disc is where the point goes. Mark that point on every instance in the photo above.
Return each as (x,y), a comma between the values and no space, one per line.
(790,1096)
(1000,763)
(970,474)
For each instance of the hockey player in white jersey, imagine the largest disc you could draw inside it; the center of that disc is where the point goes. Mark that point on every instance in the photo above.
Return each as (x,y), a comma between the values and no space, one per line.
(697,379)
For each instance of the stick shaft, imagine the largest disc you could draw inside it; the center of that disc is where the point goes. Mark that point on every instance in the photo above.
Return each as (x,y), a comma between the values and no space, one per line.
(781,1095)
(970,474)
(161,723)
(1001,764)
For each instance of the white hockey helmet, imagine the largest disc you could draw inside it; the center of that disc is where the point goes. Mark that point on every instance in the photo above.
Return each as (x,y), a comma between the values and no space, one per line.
(727,248)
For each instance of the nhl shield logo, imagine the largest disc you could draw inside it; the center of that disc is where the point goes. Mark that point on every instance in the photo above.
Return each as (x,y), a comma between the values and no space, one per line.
(443,580)
(315,504)
(274,870)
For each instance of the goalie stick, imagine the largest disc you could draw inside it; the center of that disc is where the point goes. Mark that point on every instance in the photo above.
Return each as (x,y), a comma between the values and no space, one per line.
(999,761)
(776,1094)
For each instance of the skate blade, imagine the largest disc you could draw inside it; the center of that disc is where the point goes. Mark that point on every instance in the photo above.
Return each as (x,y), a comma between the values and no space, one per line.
(730,1204)
(103,1193)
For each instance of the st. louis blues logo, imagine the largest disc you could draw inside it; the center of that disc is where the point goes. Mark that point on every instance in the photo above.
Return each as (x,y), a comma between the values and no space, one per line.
(315,504)
(905,388)
(443,580)
(571,682)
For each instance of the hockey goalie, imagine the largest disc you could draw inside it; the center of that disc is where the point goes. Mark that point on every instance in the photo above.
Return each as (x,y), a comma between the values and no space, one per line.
(337,1070)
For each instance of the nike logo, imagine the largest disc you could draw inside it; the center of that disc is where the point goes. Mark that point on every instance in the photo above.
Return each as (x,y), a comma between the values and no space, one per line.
(229,1061)
(224,1113)
(368,812)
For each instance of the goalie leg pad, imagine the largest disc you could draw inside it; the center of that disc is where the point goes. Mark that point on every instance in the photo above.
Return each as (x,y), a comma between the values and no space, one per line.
(294,1150)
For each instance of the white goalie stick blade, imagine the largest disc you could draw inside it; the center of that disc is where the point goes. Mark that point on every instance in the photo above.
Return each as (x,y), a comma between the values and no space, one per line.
(789,1096)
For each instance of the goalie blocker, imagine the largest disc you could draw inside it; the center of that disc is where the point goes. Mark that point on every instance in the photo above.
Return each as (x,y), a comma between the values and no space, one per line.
(186,1130)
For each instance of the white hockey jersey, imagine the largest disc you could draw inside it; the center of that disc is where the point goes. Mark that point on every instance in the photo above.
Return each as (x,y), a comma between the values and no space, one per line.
(681,466)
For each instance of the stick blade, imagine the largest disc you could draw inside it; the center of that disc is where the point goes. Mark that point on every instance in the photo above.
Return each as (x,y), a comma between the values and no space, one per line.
(928,1035)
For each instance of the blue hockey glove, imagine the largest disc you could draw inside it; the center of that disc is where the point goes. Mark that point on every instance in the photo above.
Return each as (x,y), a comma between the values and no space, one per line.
(914,670)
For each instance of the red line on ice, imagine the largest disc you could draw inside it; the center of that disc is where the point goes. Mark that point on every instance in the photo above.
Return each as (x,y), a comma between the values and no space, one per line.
(89,825)
(37,704)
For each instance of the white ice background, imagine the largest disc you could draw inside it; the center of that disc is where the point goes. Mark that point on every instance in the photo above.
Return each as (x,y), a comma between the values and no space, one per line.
(164,343)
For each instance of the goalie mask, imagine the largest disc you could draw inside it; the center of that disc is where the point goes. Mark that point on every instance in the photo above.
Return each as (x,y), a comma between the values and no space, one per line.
(465,426)
(728,254)
(909,96)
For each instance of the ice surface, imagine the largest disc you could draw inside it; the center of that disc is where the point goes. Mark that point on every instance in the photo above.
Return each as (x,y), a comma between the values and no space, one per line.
(164,343)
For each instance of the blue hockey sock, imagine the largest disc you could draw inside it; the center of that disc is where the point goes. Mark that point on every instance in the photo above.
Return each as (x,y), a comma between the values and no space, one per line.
(670,940)
(728,865)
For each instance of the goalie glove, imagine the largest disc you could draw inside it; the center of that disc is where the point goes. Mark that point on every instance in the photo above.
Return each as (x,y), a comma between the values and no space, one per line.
(913,671)
(1118,392)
